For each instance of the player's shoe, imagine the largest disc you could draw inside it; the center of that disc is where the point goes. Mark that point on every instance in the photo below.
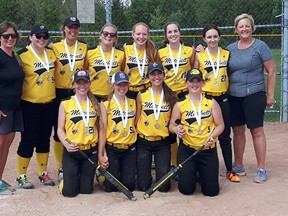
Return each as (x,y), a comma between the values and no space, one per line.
(239,170)
(22,182)
(233,177)
(46,180)
(261,175)
(60,174)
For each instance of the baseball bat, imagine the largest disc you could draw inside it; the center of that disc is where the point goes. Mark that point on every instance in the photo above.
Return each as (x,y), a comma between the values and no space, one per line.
(169,175)
(112,179)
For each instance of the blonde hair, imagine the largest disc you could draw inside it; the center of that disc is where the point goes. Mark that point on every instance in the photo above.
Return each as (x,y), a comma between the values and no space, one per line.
(151,49)
(245,16)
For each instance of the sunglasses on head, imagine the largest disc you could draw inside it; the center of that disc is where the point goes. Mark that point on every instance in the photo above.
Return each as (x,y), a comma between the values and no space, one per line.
(45,37)
(7,36)
(112,35)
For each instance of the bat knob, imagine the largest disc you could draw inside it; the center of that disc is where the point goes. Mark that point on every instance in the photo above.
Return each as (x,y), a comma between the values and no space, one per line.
(146,196)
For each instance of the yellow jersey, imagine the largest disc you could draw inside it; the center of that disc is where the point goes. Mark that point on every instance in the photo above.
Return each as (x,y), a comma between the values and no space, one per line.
(63,72)
(100,80)
(39,84)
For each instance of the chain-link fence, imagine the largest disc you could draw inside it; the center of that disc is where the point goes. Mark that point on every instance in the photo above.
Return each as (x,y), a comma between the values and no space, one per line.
(192,15)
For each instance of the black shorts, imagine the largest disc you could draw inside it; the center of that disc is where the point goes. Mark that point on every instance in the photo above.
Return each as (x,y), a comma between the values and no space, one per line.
(12,122)
(248,110)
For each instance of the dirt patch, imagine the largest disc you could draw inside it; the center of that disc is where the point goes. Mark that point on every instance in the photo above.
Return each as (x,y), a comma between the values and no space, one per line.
(244,198)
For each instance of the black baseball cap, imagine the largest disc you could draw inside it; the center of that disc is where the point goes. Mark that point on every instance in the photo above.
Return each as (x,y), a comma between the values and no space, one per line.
(71,21)
(38,29)
(155,66)
(82,74)
(194,73)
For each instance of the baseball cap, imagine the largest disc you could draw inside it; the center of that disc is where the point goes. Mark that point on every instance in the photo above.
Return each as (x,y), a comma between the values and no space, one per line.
(38,29)
(194,73)
(120,77)
(82,74)
(71,21)
(155,66)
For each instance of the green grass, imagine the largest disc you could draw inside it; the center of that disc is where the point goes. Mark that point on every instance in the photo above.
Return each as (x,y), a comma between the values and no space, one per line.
(273,115)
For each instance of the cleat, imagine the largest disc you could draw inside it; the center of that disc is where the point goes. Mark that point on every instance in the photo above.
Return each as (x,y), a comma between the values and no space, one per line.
(22,182)
(46,180)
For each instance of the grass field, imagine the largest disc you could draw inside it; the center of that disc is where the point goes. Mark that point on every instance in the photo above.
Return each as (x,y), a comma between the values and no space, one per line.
(273,115)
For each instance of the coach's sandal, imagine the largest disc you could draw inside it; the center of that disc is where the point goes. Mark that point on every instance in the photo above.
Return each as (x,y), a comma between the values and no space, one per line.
(22,182)
(60,174)
(4,189)
(233,177)
(239,170)
(46,180)
(9,187)
(261,175)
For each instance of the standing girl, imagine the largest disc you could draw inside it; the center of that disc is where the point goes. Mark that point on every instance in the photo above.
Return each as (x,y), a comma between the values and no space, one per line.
(213,63)
(37,106)
(70,54)
(177,58)
(153,114)
(201,123)
(79,117)
(137,57)
(119,111)
(11,81)
(103,61)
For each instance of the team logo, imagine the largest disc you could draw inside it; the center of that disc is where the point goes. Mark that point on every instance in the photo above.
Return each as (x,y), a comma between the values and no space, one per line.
(96,77)
(74,130)
(73,19)
(122,75)
(146,122)
(62,72)
(115,130)
(155,64)
(39,81)
(41,27)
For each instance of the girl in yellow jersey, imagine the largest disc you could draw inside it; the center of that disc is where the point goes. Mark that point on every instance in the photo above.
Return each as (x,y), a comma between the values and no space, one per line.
(37,105)
(201,123)
(177,58)
(213,63)
(70,54)
(79,127)
(154,106)
(137,57)
(118,113)
(103,61)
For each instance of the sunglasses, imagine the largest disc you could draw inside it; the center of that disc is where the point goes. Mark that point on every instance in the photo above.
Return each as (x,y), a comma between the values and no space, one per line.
(45,37)
(112,35)
(7,36)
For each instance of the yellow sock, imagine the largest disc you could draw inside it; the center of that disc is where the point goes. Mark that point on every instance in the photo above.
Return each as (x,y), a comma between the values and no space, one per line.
(174,149)
(61,185)
(42,160)
(23,164)
(58,153)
